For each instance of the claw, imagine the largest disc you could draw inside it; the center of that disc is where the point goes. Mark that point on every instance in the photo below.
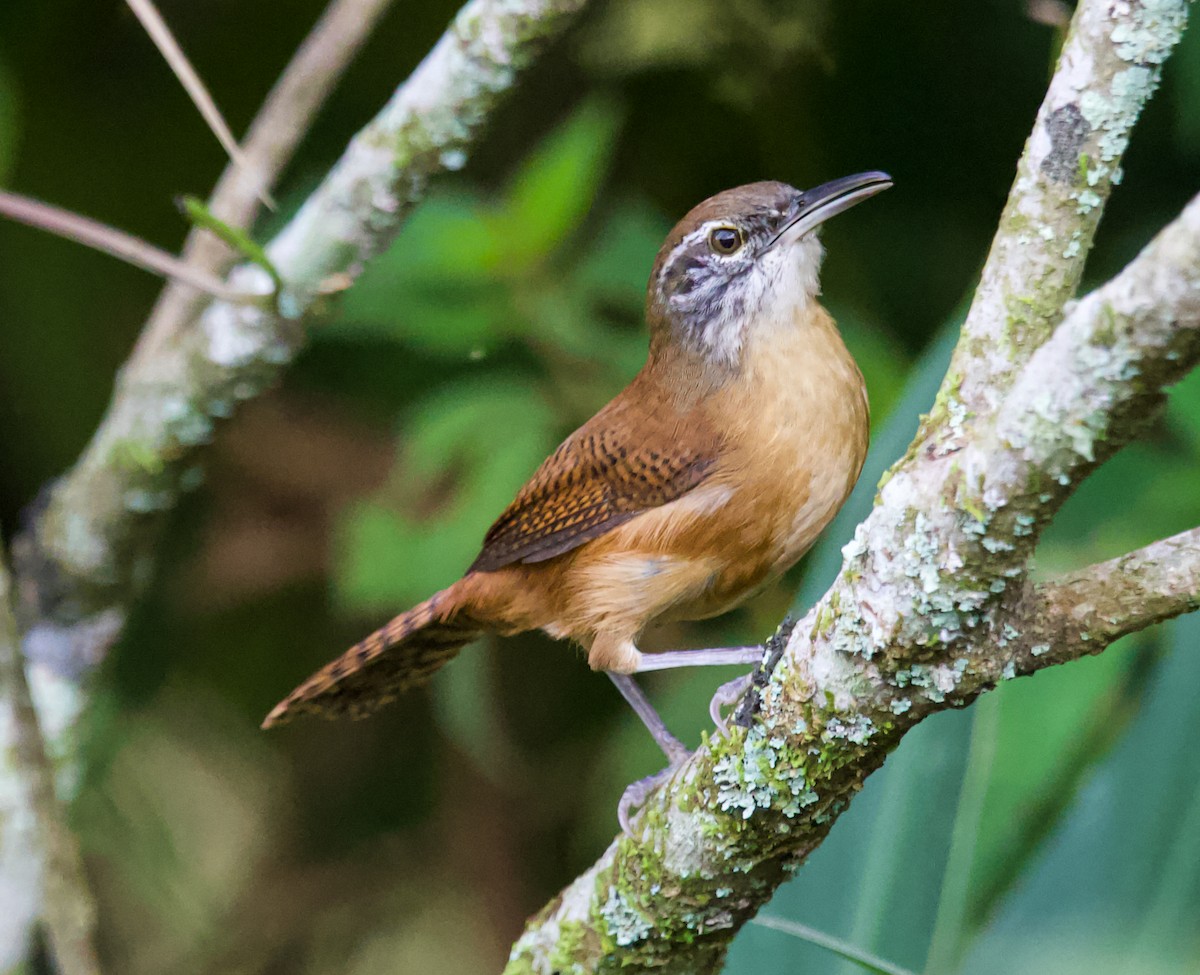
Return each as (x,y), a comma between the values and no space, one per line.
(728,695)
(636,794)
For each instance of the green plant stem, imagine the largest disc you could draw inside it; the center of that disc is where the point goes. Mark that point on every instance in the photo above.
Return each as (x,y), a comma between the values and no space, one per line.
(844,949)
(950,929)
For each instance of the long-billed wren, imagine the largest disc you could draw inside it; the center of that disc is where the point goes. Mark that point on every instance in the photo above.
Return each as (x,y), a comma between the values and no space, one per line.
(708,476)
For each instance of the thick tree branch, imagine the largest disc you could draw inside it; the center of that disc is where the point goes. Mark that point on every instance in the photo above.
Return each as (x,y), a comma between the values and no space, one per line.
(93,539)
(89,544)
(36,819)
(1109,67)
(932,607)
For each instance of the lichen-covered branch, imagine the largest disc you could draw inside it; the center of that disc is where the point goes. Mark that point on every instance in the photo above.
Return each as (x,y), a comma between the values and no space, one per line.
(93,540)
(1082,613)
(36,820)
(1109,67)
(933,605)
(89,544)
(931,609)
(281,123)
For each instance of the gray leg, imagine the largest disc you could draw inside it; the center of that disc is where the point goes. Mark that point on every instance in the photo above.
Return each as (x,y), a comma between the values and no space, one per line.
(699,658)
(672,747)
(636,794)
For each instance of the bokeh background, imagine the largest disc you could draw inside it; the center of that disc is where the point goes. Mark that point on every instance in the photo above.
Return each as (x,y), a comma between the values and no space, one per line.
(1052,827)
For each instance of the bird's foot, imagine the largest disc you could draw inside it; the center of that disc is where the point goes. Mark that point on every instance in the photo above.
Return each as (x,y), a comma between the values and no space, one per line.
(636,793)
(744,693)
(729,695)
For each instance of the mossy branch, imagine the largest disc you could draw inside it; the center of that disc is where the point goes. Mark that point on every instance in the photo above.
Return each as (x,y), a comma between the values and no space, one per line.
(91,542)
(931,609)
(1082,613)
(933,605)
(1108,68)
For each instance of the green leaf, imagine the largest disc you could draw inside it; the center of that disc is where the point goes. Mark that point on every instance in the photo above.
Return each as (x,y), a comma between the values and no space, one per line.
(556,186)
(468,448)
(883,362)
(1183,409)
(618,260)
(1116,889)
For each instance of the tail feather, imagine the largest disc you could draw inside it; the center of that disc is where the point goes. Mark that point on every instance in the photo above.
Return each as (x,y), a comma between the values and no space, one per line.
(375,671)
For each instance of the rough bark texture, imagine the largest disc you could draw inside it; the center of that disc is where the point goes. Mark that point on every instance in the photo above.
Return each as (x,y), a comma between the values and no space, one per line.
(89,546)
(933,606)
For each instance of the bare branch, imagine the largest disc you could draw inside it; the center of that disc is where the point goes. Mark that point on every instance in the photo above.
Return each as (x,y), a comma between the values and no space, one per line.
(1082,613)
(69,908)
(116,243)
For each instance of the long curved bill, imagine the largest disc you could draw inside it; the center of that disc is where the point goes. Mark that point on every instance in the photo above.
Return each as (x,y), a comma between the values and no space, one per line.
(828,200)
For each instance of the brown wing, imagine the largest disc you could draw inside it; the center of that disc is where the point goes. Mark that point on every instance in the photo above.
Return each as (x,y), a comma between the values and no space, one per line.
(637,453)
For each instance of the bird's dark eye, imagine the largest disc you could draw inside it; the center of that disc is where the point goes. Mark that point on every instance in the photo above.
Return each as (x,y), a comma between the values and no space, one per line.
(726,240)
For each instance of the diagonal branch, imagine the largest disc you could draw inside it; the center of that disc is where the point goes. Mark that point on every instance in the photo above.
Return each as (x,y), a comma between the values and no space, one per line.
(94,536)
(932,607)
(156,27)
(109,240)
(931,610)
(273,136)
(1108,69)
(86,550)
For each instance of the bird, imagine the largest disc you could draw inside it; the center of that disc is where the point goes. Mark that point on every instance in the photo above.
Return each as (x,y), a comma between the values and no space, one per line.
(701,482)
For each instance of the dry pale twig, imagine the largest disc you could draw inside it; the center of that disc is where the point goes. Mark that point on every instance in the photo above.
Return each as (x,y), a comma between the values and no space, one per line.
(117,243)
(281,123)
(197,91)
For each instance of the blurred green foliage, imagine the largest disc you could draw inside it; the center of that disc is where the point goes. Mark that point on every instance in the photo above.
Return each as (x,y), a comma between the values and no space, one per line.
(1049,828)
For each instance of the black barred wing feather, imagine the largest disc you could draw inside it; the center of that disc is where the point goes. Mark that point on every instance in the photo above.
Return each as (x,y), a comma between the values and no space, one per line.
(604,474)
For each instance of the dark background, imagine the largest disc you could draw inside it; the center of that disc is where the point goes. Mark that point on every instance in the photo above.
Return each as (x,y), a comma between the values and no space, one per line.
(1051,828)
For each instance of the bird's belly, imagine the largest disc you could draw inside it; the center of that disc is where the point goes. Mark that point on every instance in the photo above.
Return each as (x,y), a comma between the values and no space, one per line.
(699,556)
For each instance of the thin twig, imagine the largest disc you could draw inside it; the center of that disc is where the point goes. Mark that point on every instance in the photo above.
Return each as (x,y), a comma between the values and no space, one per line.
(68,906)
(280,125)
(181,67)
(115,243)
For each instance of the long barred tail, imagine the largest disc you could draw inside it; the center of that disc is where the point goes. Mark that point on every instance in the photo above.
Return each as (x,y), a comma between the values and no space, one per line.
(403,654)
